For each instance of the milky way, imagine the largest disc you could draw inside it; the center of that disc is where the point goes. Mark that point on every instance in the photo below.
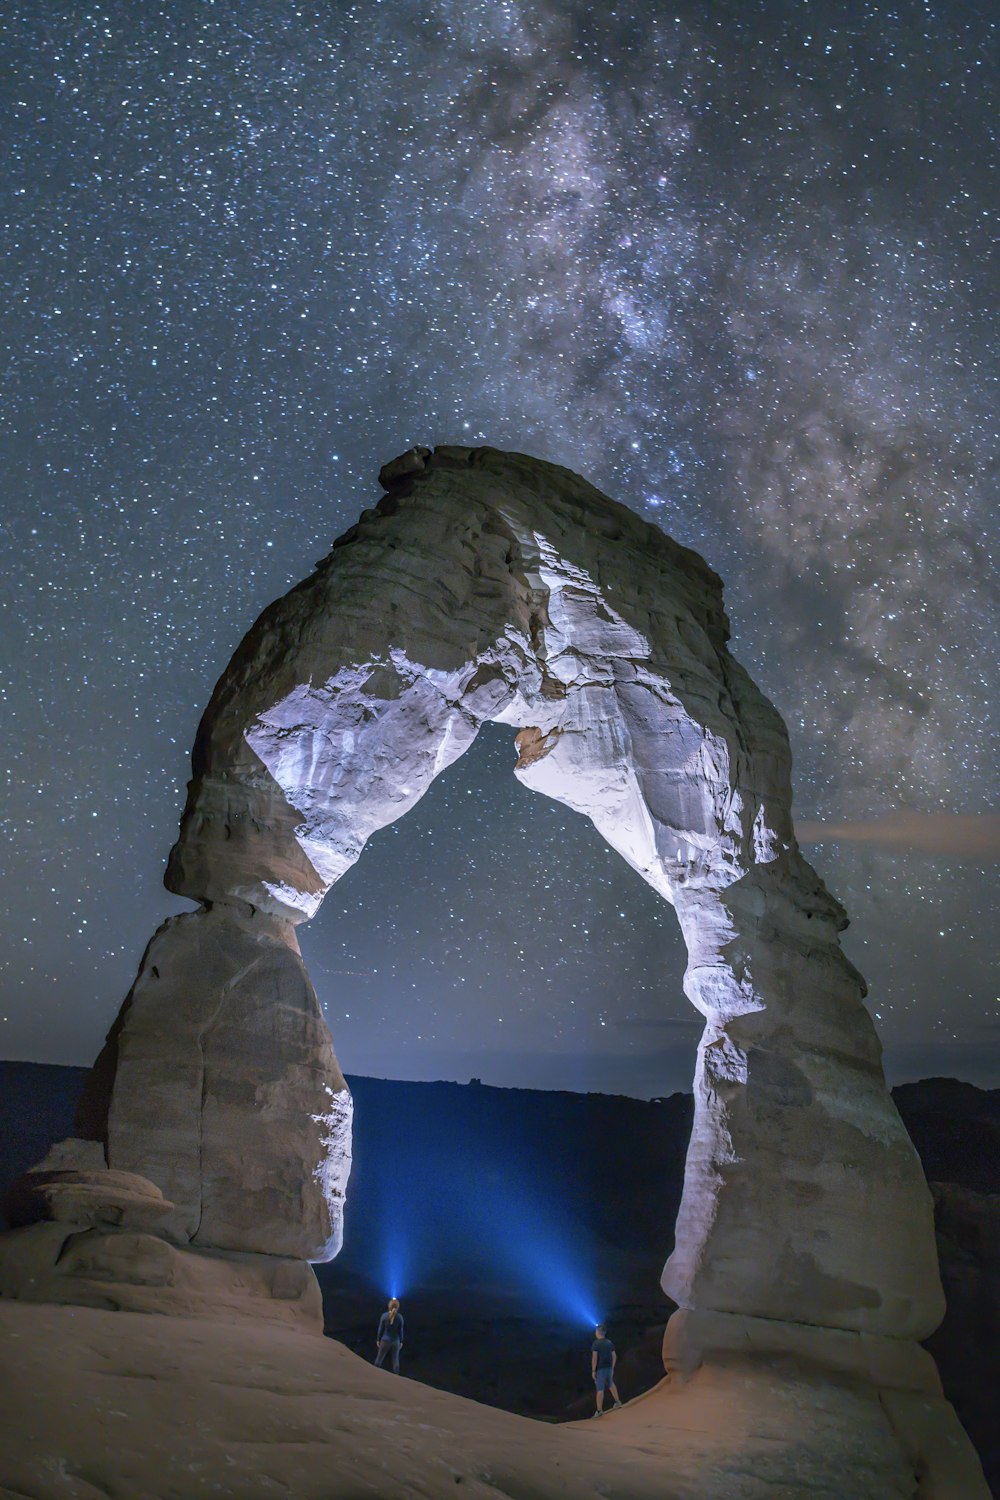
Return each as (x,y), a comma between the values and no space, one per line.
(736,265)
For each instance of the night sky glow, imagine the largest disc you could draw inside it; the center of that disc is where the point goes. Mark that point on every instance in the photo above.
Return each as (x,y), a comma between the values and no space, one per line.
(735,264)
(432,1207)
(500,1226)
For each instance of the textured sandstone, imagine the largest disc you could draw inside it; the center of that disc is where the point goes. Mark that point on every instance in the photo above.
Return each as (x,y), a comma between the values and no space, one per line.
(175,1407)
(88,1198)
(692,1338)
(73,1155)
(227,1091)
(489,586)
(124,1270)
(492,587)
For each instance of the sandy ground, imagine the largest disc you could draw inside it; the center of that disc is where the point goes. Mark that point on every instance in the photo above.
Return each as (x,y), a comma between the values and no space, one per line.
(133,1406)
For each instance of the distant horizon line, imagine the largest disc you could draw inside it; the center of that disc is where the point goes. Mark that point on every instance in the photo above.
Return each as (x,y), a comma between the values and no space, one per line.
(477,1083)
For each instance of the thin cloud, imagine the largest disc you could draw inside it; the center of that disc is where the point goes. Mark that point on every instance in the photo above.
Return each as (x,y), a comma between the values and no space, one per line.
(973,836)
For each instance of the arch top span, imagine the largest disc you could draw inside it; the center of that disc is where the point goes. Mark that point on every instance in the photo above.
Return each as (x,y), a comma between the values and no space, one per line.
(491,586)
(485,586)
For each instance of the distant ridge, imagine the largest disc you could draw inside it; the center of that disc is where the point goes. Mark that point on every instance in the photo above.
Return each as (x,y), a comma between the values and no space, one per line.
(954,1125)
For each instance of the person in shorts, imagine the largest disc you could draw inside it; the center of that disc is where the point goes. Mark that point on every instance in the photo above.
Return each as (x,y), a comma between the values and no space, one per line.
(602,1367)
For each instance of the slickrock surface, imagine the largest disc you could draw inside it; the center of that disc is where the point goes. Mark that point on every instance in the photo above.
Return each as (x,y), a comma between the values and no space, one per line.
(153,1407)
(485,1333)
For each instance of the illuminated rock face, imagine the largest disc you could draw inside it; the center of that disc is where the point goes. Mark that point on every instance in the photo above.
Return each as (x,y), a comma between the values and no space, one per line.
(489,586)
(226,1091)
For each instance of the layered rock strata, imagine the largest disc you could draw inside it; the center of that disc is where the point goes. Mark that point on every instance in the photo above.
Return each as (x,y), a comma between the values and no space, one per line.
(227,1092)
(89,1236)
(488,586)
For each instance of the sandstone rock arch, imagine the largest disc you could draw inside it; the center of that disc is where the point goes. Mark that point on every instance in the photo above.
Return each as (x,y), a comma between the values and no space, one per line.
(491,586)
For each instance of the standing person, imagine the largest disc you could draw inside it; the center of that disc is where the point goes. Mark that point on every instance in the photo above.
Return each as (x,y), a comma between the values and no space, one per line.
(602,1367)
(389,1339)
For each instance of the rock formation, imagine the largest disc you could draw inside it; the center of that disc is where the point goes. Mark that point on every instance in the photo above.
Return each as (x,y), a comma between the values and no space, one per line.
(490,586)
(227,1091)
(89,1236)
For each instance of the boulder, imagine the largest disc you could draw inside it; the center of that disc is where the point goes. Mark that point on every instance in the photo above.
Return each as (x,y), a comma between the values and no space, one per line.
(128,1271)
(122,1199)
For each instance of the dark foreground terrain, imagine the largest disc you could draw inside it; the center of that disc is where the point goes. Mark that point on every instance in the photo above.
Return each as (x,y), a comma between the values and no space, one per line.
(507,1220)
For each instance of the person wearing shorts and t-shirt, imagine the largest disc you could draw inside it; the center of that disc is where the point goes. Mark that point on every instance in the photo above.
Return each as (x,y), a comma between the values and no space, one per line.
(602,1367)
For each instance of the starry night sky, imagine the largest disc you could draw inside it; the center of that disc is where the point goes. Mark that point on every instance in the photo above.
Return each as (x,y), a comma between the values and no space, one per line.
(736,264)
